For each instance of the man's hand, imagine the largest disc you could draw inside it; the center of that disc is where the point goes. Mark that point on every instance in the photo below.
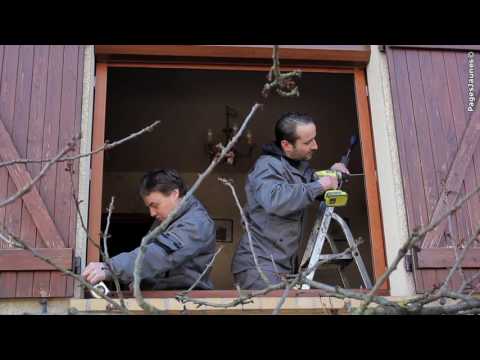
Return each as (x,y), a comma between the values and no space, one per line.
(328,182)
(340,167)
(96,272)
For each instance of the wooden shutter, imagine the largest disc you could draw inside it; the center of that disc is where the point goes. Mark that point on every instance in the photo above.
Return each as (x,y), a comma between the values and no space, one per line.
(40,110)
(439,153)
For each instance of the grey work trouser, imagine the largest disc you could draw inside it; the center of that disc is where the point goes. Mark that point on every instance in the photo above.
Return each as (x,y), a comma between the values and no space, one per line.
(251,279)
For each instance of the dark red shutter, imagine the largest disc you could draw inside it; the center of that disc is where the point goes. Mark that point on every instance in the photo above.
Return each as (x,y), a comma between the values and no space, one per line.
(439,152)
(40,110)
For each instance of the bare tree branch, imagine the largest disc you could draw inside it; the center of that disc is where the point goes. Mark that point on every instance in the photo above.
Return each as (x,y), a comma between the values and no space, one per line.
(103,254)
(18,243)
(241,300)
(454,246)
(209,265)
(247,228)
(411,241)
(289,287)
(30,185)
(82,221)
(460,258)
(106,257)
(341,293)
(106,146)
(467,304)
(283,83)
(468,282)
(151,236)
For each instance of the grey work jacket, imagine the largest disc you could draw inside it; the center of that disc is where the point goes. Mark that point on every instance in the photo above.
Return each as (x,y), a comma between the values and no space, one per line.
(278,194)
(178,255)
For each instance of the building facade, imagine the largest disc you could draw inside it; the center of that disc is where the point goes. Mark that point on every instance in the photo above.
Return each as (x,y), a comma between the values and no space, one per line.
(413,108)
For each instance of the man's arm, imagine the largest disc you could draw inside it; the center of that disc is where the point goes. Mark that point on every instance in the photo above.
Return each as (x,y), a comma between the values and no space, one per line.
(279,197)
(169,250)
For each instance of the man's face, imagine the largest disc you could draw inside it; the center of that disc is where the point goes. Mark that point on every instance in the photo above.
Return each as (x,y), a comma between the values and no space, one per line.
(161,205)
(305,144)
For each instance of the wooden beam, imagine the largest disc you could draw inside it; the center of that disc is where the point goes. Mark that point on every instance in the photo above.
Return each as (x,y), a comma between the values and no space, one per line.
(215,294)
(455,177)
(352,54)
(228,67)
(33,201)
(371,182)
(23,260)
(98,139)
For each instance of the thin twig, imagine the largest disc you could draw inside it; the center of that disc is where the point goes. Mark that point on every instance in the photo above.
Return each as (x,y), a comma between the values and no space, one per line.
(247,228)
(289,287)
(341,293)
(209,265)
(28,187)
(9,238)
(107,257)
(468,282)
(299,279)
(106,146)
(410,242)
(459,260)
(467,304)
(274,265)
(89,238)
(283,83)
(79,213)
(241,300)
(454,245)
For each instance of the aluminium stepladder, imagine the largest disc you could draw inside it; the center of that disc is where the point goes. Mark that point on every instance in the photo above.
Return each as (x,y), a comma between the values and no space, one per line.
(316,242)
(316,246)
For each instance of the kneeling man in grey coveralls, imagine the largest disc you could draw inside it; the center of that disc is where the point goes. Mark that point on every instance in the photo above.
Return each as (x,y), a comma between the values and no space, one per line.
(279,189)
(179,255)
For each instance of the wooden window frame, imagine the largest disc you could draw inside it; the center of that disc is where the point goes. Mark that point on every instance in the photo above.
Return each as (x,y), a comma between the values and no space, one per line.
(239,61)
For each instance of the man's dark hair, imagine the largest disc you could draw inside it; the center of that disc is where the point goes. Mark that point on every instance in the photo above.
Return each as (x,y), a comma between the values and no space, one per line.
(164,181)
(286,126)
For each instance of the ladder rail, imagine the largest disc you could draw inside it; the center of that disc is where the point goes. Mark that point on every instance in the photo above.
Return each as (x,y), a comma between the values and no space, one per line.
(319,242)
(355,252)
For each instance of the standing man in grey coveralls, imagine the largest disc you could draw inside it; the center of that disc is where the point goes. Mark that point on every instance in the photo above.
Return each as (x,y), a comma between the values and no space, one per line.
(279,189)
(179,255)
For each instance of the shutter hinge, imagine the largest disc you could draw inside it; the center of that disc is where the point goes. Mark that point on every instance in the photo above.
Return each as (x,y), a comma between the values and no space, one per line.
(408,263)
(44,303)
(366,90)
(94,81)
(381,48)
(77,264)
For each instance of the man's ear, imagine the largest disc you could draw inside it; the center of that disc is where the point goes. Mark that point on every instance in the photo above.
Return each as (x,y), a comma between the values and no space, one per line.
(286,146)
(176,193)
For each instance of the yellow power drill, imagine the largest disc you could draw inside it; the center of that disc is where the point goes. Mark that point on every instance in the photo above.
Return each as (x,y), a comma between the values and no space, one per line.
(338,197)
(334,198)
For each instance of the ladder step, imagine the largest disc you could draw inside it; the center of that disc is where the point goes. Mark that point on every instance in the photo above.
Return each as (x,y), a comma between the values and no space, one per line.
(336,261)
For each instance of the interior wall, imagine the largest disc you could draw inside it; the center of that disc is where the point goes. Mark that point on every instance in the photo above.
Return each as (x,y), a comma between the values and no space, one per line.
(188,102)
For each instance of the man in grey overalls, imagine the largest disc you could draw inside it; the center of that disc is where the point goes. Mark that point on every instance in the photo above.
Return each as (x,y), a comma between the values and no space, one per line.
(179,255)
(279,189)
